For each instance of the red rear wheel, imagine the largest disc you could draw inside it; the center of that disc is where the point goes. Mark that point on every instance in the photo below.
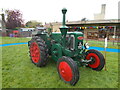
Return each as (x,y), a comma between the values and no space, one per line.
(68,70)
(97,58)
(35,52)
(38,51)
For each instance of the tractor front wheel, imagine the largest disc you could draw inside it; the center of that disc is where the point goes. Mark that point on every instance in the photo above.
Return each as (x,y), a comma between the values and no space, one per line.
(97,59)
(68,70)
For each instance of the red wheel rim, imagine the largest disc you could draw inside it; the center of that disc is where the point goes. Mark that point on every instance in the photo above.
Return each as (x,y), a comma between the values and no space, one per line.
(65,71)
(96,58)
(35,52)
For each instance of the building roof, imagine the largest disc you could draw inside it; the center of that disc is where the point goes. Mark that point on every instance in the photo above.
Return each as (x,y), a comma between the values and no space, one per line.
(109,21)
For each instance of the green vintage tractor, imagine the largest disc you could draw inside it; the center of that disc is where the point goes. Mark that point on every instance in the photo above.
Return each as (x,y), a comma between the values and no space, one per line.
(67,49)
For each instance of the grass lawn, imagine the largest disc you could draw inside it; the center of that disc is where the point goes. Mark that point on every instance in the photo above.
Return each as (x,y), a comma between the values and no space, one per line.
(7,40)
(101,44)
(19,72)
(0,68)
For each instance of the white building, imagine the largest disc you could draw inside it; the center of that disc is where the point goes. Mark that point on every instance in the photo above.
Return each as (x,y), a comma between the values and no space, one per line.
(100,16)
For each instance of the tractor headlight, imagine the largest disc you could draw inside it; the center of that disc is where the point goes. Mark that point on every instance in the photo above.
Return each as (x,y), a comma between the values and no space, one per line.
(86,45)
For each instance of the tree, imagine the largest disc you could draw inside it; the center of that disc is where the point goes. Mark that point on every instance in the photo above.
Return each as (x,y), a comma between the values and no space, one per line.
(33,24)
(14,19)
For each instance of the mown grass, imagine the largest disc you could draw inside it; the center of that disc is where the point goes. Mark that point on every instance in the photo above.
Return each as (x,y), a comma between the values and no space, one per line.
(0,65)
(7,40)
(19,72)
(0,68)
(102,43)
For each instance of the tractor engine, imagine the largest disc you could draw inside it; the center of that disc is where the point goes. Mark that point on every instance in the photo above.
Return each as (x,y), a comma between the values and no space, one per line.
(74,40)
(72,45)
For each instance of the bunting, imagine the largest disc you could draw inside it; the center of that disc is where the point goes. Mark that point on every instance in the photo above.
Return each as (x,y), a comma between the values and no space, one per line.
(93,27)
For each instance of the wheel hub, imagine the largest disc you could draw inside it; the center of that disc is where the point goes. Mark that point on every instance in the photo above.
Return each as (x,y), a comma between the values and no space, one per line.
(95,61)
(92,60)
(63,71)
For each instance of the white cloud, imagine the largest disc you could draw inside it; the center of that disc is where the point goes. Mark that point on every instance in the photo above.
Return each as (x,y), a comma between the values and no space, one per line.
(50,10)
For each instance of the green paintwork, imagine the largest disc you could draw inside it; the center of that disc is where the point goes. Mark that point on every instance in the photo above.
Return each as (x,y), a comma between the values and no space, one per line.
(56,51)
(64,43)
(64,28)
(64,10)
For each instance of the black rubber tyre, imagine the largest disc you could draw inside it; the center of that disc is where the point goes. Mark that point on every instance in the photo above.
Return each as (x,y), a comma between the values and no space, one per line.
(38,51)
(98,59)
(68,70)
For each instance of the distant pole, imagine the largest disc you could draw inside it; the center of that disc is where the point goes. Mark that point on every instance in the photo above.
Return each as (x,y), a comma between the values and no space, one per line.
(114,35)
(105,50)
